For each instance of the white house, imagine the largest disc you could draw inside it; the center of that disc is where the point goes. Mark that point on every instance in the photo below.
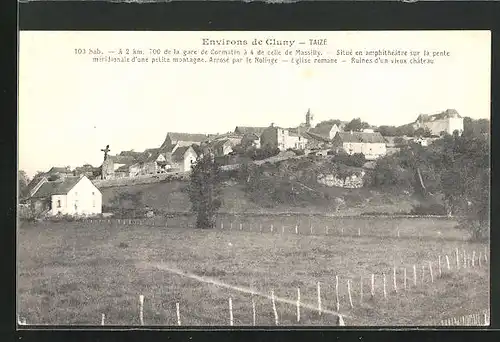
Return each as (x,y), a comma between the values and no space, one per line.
(70,196)
(447,121)
(372,145)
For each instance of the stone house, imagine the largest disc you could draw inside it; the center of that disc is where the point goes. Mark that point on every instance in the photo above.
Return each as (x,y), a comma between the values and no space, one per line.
(251,139)
(222,147)
(372,145)
(242,130)
(182,159)
(327,130)
(279,137)
(59,172)
(183,139)
(69,196)
(447,121)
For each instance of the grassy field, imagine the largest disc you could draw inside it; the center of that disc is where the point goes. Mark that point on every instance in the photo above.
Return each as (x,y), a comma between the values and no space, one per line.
(71,273)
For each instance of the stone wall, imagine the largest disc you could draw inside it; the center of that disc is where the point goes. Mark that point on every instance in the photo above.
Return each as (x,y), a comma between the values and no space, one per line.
(355,180)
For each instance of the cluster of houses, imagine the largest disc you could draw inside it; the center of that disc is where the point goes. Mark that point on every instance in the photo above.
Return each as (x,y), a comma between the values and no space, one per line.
(62,191)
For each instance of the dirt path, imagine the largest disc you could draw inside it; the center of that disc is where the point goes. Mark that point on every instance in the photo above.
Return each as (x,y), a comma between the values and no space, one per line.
(165,267)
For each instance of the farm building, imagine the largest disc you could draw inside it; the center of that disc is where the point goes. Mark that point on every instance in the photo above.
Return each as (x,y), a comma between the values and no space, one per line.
(222,147)
(447,121)
(183,158)
(59,172)
(183,139)
(278,137)
(326,130)
(372,145)
(249,130)
(69,196)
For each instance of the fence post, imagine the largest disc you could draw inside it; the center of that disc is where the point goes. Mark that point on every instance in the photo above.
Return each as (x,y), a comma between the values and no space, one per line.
(485,255)
(271,228)
(439,265)
(404,276)
(361,289)
(102,319)
(340,321)
(423,274)
(337,292)
(430,270)
(359,231)
(282,230)
(319,299)
(385,292)
(373,286)
(274,308)
(473,258)
(349,292)
(465,259)
(141,309)
(311,229)
(447,263)
(479,260)
(253,311)
(178,313)
(230,311)
(326,230)
(458,261)
(394,279)
(414,275)
(298,304)
(296,229)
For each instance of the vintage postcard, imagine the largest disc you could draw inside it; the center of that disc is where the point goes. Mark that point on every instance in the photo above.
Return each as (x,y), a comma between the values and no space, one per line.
(218,179)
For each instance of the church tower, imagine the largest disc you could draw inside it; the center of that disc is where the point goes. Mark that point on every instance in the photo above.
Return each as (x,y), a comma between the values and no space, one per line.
(309,119)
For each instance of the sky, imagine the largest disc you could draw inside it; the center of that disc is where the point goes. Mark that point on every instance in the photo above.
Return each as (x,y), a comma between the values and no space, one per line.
(71,107)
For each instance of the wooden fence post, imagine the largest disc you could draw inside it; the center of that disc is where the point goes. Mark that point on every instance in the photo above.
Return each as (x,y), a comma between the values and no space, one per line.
(385,292)
(430,270)
(373,286)
(178,313)
(349,292)
(394,279)
(141,309)
(479,260)
(458,261)
(361,289)
(298,304)
(404,276)
(414,275)
(326,230)
(423,274)
(102,319)
(274,308)
(447,263)
(439,265)
(230,311)
(253,311)
(337,292)
(296,229)
(473,258)
(319,298)
(271,228)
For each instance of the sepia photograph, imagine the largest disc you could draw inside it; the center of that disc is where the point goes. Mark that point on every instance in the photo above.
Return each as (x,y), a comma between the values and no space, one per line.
(254,179)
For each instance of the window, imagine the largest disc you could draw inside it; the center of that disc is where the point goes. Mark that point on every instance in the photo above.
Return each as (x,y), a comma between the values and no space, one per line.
(93,193)
(58,203)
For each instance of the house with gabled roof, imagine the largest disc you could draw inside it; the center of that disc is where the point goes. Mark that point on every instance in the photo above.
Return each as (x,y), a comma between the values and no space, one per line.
(69,196)
(222,147)
(327,130)
(372,145)
(183,159)
(249,130)
(447,121)
(183,139)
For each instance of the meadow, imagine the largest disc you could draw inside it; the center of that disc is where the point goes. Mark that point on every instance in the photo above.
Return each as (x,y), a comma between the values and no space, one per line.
(73,272)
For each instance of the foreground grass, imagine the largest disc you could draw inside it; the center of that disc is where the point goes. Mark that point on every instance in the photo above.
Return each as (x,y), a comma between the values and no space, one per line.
(71,273)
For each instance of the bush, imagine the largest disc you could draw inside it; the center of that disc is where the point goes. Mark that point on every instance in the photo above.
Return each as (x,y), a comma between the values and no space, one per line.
(355,160)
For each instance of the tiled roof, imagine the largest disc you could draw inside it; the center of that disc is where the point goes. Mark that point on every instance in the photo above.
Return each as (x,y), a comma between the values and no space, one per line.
(178,154)
(123,159)
(60,187)
(59,170)
(449,113)
(247,129)
(323,129)
(313,136)
(360,137)
(187,137)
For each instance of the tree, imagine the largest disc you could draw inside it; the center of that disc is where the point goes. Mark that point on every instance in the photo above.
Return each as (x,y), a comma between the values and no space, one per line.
(205,190)
(23,182)
(356,125)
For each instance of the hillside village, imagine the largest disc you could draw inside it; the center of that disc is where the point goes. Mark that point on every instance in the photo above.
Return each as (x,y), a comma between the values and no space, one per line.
(54,191)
